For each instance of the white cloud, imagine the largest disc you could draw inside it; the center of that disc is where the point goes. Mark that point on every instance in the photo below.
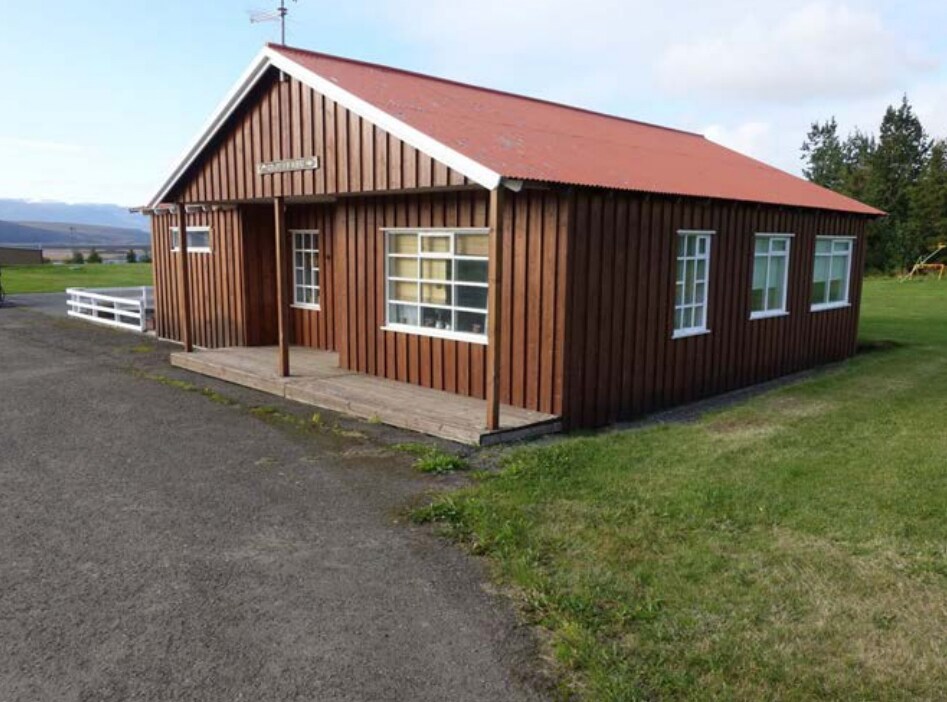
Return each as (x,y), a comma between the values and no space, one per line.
(750,138)
(819,50)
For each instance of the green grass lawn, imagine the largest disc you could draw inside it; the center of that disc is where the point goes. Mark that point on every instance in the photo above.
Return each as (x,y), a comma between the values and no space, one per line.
(50,278)
(793,547)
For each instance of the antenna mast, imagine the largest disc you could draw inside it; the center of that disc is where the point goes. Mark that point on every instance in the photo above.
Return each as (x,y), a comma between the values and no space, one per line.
(270,16)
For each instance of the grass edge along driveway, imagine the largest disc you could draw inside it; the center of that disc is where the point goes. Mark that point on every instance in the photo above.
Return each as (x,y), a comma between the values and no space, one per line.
(48,278)
(793,547)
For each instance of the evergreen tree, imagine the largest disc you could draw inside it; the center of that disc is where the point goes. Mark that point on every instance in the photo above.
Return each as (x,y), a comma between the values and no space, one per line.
(927,224)
(898,172)
(131,257)
(857,153)
(93,257)
(896,165)
(824,156)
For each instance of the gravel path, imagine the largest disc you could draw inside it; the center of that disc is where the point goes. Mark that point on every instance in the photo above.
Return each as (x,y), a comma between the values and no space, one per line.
(162,543)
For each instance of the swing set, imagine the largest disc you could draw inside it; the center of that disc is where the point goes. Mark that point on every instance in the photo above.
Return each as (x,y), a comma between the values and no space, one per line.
(923,265)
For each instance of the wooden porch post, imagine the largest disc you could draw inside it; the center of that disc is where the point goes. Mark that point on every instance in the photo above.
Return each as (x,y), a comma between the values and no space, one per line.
(282,314)
(494,309)
(184,301)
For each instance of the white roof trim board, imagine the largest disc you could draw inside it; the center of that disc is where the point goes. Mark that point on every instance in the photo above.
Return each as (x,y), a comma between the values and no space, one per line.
(267,57)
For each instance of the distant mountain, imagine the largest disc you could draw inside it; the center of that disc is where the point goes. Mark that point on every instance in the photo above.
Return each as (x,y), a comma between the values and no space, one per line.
(66,234)
(43,211)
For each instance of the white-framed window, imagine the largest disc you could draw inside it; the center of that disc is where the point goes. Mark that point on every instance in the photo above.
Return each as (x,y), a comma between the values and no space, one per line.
(198,239)
(770,275)
(305,268)
(832,272)
(436,282)
(692,286)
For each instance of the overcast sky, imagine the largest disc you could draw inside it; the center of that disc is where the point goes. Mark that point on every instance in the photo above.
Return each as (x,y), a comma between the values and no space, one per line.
(99,98)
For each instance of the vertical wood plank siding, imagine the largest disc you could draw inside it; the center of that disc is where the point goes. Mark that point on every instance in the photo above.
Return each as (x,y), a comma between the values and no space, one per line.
(532,363)
(315,328)
(623,360)
(217,280)
(290,120)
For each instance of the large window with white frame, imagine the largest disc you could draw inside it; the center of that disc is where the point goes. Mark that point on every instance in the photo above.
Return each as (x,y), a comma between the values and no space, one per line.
(305,268)
(831,273)
(436,282)
(770,275)
(692,284)
(198,239)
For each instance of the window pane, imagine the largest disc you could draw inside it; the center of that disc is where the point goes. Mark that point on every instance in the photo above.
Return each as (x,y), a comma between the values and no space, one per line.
(778,245)
(472,245)
(699,317)
(823,246)
(702,242)
(175,239)
(400,290)
(839,266)
(435,293)
(818,292)
(681,245)
(472,322)
(701,267)
(315,296)
(471,271)
(299,259)
(433,318)
(680,270)
(759,272)
(762,245)
(756,300)
(821,272)
(198,240)
(777,271)
(437,269)
(699,293)
(835,291)
(689,278)
(679,294)
(691,245)
(841,245)
(403,243)
(679,318)
(403,314)
(471,297)
(403,267)
(300,295)
(435,244)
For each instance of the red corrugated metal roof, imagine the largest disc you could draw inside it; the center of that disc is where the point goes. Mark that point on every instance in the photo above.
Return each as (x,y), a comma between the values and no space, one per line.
(529,139)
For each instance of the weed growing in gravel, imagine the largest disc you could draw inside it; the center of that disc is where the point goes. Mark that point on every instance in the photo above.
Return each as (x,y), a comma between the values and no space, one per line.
(431,459)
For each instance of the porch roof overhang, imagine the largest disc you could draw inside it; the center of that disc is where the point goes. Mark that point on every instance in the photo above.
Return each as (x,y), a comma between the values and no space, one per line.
(267,58)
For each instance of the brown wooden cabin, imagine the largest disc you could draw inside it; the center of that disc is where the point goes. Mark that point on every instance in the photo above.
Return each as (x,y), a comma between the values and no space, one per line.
(578,264)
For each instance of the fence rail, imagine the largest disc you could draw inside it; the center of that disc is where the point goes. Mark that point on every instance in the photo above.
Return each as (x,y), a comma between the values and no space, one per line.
(125,308)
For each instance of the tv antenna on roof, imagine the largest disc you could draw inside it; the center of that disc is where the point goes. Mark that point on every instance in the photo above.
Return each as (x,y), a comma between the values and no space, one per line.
(271,16)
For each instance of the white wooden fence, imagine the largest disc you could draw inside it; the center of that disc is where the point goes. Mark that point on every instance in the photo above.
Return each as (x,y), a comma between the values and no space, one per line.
(126,308)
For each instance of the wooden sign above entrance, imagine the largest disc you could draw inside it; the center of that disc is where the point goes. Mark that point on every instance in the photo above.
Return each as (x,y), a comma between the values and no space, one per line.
(310,163)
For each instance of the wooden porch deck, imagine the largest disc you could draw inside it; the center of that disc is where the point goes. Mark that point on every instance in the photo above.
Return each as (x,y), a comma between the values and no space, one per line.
(316,379)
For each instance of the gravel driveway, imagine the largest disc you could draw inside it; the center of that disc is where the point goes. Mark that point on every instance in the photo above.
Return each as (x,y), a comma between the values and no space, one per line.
(163,542)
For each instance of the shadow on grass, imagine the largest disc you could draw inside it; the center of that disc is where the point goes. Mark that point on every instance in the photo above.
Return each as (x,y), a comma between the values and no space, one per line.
(878,345)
